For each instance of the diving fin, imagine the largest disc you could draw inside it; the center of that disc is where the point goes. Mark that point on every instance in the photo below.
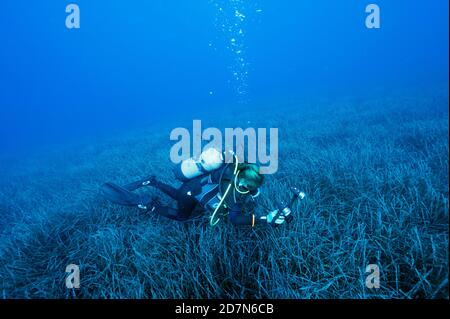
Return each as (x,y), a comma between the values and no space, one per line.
(120,195)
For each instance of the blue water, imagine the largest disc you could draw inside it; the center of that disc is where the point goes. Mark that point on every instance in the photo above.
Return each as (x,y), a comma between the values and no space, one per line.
(132,64)
(363,131)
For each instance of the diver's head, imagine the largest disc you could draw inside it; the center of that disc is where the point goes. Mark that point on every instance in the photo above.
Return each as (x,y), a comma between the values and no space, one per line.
(249,178)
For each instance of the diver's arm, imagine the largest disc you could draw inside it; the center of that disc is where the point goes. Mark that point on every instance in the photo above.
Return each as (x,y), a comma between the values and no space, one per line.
(237,217)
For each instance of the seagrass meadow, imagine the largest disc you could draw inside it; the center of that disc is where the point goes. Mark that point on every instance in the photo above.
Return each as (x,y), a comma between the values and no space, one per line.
(375,171)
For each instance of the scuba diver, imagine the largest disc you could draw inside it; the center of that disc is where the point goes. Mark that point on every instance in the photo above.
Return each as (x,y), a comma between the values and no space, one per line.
(208,185)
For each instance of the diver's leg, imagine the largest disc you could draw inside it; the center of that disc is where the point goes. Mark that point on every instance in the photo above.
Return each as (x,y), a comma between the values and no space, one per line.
(148,181)
(151,181)
(171,213)
(186,205)
(120,195)
(145,201)
(167,189)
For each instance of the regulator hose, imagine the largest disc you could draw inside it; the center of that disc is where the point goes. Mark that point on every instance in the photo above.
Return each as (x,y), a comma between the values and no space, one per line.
(214,220)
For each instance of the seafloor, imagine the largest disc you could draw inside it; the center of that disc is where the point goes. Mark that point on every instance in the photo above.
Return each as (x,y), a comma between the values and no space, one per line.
(376,176)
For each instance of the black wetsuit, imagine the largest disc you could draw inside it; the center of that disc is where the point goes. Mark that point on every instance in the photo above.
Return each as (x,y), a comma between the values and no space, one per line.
(198,195)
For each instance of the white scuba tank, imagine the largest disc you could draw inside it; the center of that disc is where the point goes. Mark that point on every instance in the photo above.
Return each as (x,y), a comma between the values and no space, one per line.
(209,160)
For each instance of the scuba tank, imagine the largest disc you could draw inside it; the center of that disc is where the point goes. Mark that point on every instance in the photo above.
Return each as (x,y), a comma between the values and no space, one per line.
(209,160)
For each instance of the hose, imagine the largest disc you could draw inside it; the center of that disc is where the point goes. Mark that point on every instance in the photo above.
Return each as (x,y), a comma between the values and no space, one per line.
(213,222)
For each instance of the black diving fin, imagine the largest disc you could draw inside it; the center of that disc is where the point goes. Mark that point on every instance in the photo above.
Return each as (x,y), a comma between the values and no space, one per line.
(121,196)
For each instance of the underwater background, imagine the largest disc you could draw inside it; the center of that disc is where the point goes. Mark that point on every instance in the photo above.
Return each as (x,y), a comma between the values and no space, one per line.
(363,130)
